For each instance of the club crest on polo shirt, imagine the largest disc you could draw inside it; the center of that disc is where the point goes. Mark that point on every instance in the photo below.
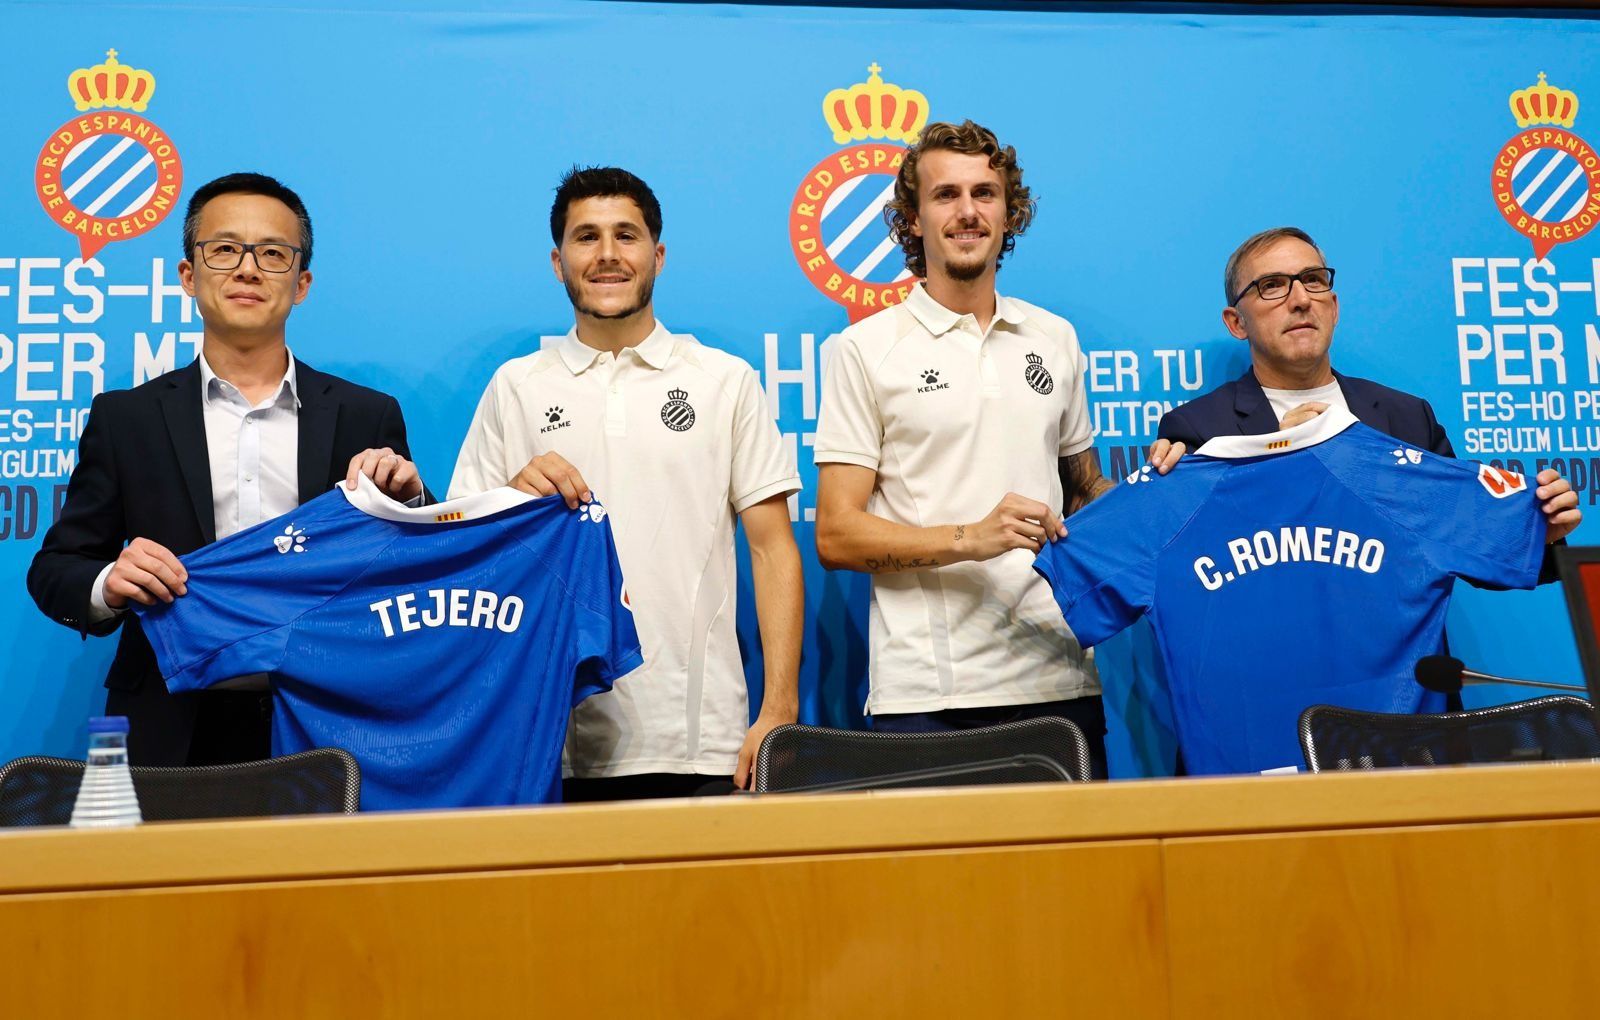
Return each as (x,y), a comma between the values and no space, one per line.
(556,419)
(293,539)
(930,381)
(676,414)
(1037,375)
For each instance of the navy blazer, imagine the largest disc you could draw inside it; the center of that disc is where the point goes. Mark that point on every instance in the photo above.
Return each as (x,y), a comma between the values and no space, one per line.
(1240,408)
(144,472)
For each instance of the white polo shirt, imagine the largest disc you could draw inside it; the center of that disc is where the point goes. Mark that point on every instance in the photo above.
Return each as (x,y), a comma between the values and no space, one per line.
(951,419)
(675,439)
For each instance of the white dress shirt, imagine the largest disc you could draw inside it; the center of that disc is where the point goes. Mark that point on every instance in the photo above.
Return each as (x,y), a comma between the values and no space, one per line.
(253,451)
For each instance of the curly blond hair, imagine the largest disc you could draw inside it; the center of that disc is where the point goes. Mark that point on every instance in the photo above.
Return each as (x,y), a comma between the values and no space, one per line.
(968,139)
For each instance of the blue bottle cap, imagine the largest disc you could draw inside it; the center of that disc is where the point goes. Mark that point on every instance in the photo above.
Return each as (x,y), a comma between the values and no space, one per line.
(108,724)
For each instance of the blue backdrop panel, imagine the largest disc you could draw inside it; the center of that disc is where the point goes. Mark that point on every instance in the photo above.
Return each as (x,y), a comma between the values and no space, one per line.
(427,143)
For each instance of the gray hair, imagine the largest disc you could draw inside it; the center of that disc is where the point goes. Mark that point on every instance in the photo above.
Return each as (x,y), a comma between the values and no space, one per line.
(1253,244)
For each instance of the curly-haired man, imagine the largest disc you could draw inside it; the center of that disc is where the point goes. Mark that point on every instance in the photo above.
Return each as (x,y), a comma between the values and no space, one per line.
(953,436)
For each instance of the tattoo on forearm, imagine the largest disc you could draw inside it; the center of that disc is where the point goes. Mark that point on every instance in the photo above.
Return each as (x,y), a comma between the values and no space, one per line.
(961,531)
(890,563)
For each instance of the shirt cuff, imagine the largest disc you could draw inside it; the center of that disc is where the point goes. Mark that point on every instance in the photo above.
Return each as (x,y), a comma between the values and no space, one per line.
(99,612)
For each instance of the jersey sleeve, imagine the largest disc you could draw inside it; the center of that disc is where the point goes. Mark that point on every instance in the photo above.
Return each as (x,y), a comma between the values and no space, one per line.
(1076,435)
(762,468)
(246,591)
(480,466)
(608,642)
(1103,574)
(849,426)
(1473,521)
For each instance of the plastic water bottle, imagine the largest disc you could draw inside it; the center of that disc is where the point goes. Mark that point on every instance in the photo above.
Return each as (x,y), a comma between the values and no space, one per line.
(106,797)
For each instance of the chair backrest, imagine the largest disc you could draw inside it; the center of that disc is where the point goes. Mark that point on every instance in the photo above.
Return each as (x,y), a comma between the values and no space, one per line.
(40,790)
(1543,729)
(797,758)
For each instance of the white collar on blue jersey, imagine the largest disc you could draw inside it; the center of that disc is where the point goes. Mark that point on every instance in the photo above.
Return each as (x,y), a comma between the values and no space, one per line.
(939,320)
(370,500)
(1319,429)
(653,350)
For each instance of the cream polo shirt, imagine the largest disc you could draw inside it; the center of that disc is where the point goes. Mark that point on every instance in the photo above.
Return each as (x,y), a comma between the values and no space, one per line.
(951,419)
(675,439)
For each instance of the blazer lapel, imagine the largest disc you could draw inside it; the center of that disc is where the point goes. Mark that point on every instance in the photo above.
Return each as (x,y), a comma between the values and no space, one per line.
(1252,407)
(319,413)
(1364,405)
(186,426)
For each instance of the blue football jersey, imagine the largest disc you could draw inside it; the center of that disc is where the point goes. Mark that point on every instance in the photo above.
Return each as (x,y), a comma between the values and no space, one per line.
(443,646)
(1310,566)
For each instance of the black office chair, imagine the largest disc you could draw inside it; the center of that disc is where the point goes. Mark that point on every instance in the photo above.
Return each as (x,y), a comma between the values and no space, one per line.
(40,791)
(1544,729)
(815,759)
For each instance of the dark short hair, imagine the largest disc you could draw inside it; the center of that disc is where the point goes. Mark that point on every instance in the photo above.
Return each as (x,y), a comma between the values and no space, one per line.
(583,182)
(1253,244)
(246,184)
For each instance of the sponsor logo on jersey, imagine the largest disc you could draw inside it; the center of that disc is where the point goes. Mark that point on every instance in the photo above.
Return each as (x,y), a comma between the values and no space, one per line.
(1499,482)
(293,539)
(1037,375)
(108,175)
(676,414)
(1296,544)
(553,415)
(1141,475)
(930,381)
(592,512)
(1405,455)
(1546,179)
(836,225)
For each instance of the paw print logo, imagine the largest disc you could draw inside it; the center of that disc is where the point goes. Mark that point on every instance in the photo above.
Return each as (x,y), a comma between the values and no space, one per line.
(553,414)
(1403,456)
(930,376)
(1141,475)
(592,512)
(293,538)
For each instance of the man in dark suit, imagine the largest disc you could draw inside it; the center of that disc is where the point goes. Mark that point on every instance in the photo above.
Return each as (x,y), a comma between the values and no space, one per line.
(1281,302)
(245,433)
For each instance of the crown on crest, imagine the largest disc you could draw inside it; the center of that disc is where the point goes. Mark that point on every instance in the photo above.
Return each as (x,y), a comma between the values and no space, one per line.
(1034,359)
(1544,104)
(678,394)
(111,84)
(875,109)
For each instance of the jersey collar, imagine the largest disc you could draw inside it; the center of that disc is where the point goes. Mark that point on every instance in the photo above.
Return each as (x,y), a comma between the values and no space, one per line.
(370,500)
(939,320)
(1319,429)
(654,350)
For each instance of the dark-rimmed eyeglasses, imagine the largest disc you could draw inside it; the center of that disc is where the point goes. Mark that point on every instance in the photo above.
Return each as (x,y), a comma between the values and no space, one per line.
(1276,286)
(270,256)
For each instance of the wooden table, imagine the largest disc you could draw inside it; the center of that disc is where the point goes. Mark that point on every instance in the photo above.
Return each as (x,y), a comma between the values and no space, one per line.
(1452,892)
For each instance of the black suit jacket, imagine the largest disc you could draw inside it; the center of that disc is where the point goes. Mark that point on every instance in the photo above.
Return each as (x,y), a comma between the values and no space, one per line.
(144,472)
(1240,408)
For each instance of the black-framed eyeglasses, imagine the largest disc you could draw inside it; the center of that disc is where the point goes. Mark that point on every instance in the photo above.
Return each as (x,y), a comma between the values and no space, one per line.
(226,255)
(1276,286)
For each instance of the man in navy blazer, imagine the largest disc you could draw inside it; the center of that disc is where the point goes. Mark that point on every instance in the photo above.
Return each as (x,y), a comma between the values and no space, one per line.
(1281,301)
(245,433)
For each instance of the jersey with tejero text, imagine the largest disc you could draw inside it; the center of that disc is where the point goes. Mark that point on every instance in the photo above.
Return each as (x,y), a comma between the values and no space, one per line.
(443,646)
(1309,566)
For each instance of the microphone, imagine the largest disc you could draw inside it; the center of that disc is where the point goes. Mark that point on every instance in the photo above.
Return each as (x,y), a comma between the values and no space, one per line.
(1447,674)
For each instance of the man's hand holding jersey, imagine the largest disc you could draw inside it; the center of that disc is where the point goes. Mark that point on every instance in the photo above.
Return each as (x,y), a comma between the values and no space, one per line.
(550,474)
(396,476)
(145,572)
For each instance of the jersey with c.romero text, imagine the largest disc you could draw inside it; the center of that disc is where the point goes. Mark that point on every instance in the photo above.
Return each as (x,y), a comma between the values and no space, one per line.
(1308,566)
(443,646)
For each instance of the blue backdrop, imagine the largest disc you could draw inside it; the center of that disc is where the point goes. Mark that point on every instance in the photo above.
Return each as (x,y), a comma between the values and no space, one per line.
(427,143)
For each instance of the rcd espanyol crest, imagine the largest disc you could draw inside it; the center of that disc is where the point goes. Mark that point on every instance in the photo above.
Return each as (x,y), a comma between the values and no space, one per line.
(1547,179)
(111,175)
(676,414)
(836,224)
(1037,375)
